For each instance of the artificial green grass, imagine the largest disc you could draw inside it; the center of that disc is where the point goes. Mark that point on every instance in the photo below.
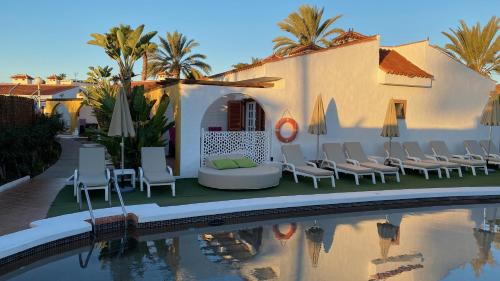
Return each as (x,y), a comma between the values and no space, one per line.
(189,191)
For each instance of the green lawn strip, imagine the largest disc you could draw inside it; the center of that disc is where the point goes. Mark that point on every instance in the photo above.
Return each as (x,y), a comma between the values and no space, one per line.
(189,191)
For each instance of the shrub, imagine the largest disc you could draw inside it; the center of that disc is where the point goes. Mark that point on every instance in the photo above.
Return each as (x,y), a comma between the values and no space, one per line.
(29,150)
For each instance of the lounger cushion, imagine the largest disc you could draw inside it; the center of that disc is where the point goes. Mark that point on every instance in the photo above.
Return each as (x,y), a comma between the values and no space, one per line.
(245,162)
(263,176)
(314,171)
(425,165)
(379,167)
(159,177)
(223,164)
(442,163)
(90,180)
(354,168)
(467,162)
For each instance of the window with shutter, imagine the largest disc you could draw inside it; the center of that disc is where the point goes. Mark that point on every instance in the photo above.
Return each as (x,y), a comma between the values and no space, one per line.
(234,115)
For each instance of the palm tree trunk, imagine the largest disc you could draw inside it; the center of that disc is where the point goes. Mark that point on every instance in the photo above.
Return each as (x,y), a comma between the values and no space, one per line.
(144,67)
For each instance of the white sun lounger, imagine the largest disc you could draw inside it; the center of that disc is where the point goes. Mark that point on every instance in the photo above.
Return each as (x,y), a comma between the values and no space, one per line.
(294,161)
(154,170)
(414,152)
(336,159)
(399,157)
(357,156)
(493,149)
(475,151)
(92,173)
(441,151)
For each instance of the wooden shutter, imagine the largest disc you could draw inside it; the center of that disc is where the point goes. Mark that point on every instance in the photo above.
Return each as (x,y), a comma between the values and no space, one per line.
(260,122)
(235,115)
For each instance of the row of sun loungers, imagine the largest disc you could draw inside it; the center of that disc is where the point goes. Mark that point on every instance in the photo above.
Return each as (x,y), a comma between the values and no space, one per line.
(92,173)
(350,158)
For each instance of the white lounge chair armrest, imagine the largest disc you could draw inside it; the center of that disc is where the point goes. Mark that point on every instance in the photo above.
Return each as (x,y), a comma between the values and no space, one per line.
(458,156)
(330,162)
(373,158)
(428,156)
(311,164)
(108,174)
(441,157)
(352,161)
(397,160)
(475,156)
(169,169)
(141,173)
(416,159)
(494,155)
(289,165)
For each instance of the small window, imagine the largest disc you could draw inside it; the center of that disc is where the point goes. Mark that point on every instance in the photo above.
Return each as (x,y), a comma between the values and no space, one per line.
(400,108)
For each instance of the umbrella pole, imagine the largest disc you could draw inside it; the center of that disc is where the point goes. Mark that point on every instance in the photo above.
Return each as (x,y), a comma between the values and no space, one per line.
(489,145)
(317,148)
(122,144)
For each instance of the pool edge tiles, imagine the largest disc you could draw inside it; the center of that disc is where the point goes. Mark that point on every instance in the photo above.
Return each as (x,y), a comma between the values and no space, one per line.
(20,244)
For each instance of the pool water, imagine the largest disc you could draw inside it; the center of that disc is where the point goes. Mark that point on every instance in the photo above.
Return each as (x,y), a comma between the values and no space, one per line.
(438,243)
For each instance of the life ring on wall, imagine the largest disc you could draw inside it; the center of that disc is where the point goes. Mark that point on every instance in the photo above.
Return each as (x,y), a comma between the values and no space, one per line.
(284,236)
(280,123)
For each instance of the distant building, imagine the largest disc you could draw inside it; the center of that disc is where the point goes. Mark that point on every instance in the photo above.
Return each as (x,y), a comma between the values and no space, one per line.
(23,79)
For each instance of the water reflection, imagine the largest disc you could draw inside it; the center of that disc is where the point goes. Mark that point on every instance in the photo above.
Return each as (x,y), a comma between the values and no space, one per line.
(431,244)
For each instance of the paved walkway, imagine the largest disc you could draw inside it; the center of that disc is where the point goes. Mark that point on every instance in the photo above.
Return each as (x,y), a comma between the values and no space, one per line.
(31,201)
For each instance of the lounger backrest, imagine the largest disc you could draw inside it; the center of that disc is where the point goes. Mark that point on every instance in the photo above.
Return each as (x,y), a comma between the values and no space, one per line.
(397,150)
(473,147)
(153,159)
(355,151)
(414,150)
(91,161)
(334,152)
(493,148)
(440,148)
(293,154)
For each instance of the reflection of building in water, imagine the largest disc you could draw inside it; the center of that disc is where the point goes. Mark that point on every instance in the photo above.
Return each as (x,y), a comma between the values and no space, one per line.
(422,246)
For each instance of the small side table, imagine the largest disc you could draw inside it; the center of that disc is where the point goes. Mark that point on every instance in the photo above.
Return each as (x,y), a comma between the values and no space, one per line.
(124,172)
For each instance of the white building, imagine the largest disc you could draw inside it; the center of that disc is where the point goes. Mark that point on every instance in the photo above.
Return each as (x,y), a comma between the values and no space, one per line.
(437,97)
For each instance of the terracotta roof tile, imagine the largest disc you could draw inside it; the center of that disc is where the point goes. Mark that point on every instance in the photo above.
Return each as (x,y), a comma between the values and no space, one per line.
(274,58)
(52,77)
(348,36)
(392,62)
(30,89)
(22,76)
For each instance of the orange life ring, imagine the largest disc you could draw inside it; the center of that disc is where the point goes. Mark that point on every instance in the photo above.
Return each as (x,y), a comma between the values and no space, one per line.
(280,123)
(284,236)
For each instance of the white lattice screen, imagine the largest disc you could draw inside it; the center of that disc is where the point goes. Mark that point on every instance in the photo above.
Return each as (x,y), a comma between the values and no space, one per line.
(255,145)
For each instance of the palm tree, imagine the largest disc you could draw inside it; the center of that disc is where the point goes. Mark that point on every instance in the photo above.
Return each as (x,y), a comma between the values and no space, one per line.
(150,49)
(307,27)
(243,64)
(174,56)
(97,74)
(125,45)
(61,76)
(477,47)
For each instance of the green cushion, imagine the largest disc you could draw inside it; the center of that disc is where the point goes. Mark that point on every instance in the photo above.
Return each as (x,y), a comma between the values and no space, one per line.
(224,164)
(245,163)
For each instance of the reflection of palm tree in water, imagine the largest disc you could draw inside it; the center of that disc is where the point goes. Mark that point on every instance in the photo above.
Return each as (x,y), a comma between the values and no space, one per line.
(124,258)
(483,239)
(168,250)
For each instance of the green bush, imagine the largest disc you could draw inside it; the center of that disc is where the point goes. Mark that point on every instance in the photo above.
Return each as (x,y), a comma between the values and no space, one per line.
(149,127)
(29,150)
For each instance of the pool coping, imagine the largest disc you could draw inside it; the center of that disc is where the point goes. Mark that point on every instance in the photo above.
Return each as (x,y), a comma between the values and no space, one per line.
(48,233)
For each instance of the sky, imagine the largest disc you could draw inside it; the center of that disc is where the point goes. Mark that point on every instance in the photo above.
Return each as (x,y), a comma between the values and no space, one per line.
(45,37)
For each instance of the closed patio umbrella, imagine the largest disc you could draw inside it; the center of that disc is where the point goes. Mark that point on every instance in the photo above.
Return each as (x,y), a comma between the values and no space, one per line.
(491,116)
(390,128)
(314,239)
(317,126)
(121,122)
(388,235)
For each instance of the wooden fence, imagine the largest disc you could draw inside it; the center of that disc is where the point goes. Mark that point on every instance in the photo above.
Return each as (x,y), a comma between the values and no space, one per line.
(16,112)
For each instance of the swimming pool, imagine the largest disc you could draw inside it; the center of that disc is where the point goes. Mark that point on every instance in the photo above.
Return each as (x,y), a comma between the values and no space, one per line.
(432,243)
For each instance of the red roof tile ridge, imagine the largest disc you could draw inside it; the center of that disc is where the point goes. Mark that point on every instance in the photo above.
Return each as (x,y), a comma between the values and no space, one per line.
(274,57)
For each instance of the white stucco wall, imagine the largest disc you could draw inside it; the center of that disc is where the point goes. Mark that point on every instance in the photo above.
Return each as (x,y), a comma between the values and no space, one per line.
(355,101)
